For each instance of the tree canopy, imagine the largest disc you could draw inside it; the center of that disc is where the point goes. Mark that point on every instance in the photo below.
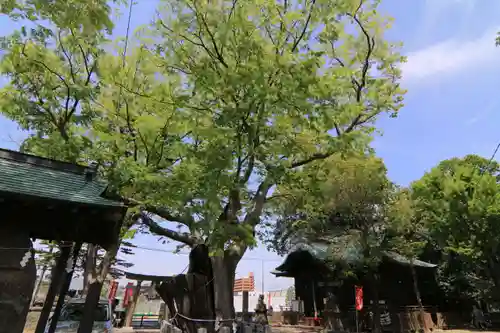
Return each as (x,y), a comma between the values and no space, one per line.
(91,16)
(458,203)
(341,203)
(207,111)
(225,97)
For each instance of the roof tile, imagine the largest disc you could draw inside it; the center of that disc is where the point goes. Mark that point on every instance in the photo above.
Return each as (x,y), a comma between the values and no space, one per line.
(18,176)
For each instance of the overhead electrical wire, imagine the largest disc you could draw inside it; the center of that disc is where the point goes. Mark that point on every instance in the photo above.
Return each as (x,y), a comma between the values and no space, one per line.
(186,253)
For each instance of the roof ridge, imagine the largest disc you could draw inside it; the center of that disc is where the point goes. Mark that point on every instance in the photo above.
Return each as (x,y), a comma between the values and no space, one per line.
(48,163)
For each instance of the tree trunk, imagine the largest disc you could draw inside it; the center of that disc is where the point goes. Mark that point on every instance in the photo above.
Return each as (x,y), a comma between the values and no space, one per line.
(219,272)
(224,270)
(94,289)
(90,267)
(417,295)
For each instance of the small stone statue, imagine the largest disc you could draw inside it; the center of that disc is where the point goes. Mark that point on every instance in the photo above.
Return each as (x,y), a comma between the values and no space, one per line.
(261,312)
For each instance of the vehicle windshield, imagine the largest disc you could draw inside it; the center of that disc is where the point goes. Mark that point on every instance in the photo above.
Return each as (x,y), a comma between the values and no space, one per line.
(74,312)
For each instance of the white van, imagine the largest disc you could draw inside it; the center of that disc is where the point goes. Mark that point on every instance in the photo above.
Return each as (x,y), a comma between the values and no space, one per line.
(72,313)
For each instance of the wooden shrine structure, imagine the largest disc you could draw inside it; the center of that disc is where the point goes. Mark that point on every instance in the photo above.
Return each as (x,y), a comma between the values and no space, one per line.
(324,290)
(46,199)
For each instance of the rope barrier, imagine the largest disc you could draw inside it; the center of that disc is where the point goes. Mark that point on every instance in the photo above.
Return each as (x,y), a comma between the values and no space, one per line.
(204,320)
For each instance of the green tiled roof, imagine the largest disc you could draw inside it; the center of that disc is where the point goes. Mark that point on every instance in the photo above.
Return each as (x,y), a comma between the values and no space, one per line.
(29,175)
(321,251)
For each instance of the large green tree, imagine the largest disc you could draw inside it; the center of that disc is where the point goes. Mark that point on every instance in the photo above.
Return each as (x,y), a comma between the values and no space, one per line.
(458,203)
(272,87)
(341,202)
(226,100)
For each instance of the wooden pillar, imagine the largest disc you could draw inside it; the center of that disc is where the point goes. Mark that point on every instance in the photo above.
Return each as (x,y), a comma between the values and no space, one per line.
(40,281)
(91,303)
(55,284)
(132,304)
(17,276)
(64,289)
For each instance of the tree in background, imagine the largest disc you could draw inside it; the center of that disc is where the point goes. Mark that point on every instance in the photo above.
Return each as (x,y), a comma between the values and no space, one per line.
(198,124)
(407,236)
(343,203)
(458,203)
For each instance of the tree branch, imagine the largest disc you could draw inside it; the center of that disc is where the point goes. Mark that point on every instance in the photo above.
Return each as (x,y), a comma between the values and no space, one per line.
(370,41)
(304,29)
(359,86)
(218,53)
(167,215)
(253,217)
(161,212)
(155,228)
(315,157)
(41,63)
(68,57)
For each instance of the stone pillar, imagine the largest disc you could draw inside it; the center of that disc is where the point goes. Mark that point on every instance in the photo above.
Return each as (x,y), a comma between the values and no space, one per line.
(16,282)
(244,307)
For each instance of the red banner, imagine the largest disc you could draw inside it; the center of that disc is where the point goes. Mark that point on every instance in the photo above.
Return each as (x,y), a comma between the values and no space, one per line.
(128,293)
(112,290)
(359,297)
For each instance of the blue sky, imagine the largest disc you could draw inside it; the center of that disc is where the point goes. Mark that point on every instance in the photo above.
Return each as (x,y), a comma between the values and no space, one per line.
(452,76)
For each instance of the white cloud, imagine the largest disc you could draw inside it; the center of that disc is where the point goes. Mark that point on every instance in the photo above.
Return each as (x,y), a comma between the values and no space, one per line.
(482,113)
(452,56)
(434,11)
(442,4)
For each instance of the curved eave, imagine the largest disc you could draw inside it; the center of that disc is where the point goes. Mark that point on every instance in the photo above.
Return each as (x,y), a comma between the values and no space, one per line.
(283,270)
(407,262)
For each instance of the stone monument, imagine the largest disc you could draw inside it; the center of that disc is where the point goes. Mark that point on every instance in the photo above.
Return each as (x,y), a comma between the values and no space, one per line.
(261,312)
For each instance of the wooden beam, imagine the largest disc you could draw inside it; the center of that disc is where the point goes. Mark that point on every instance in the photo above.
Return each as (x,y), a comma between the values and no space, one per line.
(91,303)
(64,289)
(132,304)
(40,280)
(54,288)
